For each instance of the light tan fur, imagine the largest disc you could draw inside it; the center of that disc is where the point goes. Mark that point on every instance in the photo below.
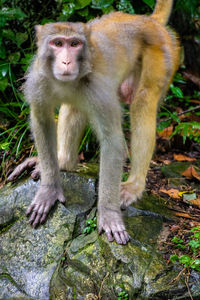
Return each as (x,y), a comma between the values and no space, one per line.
(124,56)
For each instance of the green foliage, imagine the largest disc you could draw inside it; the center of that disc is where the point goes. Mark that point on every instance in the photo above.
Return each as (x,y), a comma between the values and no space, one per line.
(185,129)
(123,295)
(192,257)
(188,129)
(91,225)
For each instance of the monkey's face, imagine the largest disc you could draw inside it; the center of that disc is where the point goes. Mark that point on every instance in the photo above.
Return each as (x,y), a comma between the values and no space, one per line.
(66,53)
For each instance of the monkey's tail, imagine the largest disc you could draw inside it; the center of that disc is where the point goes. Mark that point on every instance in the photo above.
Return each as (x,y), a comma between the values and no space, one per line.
(162,11)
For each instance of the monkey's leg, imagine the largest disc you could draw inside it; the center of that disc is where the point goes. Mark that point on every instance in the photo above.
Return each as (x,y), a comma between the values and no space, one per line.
(50,190)
(71,125)
(154,81)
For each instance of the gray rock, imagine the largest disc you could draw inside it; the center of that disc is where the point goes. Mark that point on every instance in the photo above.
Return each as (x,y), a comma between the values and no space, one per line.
(56,261)
(29,256)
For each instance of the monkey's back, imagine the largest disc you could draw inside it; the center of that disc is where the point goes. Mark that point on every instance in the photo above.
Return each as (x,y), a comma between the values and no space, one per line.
(123,37)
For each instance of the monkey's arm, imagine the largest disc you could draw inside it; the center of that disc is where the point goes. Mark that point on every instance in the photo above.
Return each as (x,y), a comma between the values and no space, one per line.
(42,119)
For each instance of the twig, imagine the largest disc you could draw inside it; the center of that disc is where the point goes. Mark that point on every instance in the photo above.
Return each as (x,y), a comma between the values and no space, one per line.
(183,112)
(99,295)
(187,285)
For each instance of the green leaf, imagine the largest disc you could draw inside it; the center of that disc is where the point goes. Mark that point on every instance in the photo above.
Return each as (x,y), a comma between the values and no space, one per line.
(125,6)
(176,91)
(4,70)
(173,258)
(176,240)
(68,9)
(162,125)
(3,84)
(84,12)
(14,57)
(194,244)
(12,13)
(150,3)
(21,38)
(184,259)
(195,228)
(2,52)
(9,34)
(5,146)
(101,4)
(79,4)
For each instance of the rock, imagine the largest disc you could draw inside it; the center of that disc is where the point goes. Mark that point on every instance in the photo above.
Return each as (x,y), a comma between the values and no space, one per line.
(29,256)
(56,261)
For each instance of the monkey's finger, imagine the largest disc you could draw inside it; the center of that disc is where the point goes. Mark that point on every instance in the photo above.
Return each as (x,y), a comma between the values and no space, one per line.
(43,218)
(45,213)
(30,208)
(61,198)
(123,236)
(109,236)
(36,173)
(27,164)
(38,216)
(117,237)
(32,217)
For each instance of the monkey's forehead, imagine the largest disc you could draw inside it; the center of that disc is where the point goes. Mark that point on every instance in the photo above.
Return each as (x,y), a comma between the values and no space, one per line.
(65,28)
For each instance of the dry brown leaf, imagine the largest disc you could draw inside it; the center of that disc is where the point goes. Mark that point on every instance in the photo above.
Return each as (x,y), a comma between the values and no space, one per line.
(167,162)
(165,133)
(173,193)
(191,173)
(181,157)
(196,202)
(184,215)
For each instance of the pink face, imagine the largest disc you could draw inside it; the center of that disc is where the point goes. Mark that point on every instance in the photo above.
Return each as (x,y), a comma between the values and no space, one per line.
(66,52)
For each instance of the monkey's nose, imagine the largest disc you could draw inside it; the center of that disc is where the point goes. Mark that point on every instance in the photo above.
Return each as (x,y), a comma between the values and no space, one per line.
(66,62)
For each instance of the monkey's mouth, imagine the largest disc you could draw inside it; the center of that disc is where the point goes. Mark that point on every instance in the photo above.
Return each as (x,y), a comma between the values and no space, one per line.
(66,76)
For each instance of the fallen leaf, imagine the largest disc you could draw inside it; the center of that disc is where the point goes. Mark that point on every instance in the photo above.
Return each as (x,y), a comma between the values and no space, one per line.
(174,227)
(184,215)
(165,133)
(185,192)
(191,173)
(167,162)
(181,157)
(189,197)
(173,193)
(196,202)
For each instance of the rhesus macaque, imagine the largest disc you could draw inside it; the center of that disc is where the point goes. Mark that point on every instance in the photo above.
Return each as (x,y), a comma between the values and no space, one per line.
(87,69)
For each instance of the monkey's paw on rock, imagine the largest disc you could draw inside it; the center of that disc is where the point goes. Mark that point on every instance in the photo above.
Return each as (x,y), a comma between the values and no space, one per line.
(111,222)
(44,200)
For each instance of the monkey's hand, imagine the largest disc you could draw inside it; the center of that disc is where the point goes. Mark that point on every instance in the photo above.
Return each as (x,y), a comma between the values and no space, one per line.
(28,164)
(44,200)
(111,222)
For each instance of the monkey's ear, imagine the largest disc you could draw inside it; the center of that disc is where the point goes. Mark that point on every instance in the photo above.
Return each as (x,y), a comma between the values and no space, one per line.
(38,30)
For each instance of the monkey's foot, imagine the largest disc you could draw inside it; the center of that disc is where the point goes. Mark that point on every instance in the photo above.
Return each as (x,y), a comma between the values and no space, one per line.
(130,192)
(111,222)
(44,200)
(28,164)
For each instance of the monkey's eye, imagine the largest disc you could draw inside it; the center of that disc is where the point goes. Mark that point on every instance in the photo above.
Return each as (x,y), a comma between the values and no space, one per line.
(58,43)
(75,43)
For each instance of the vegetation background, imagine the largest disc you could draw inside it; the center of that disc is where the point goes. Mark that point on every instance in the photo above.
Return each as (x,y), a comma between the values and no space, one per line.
(179,115)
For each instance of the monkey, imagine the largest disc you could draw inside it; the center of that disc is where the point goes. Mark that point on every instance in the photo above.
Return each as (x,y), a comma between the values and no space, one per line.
(87,69)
